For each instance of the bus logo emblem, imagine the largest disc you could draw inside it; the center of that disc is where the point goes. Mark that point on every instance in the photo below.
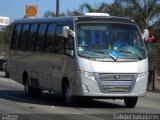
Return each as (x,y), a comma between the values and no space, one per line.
(116,77)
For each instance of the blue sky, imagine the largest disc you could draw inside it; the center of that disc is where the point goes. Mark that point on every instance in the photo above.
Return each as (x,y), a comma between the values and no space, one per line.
(14,9)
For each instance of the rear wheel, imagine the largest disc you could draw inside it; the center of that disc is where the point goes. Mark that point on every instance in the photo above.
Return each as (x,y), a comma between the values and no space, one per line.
(130,102)
(30,91)
(27,89)
(6,73)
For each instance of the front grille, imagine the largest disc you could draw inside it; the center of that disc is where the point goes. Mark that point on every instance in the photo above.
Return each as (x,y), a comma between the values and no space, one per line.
(119,77)
(118,82)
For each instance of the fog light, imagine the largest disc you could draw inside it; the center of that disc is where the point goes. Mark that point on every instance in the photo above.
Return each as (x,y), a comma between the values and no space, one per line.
(85,88)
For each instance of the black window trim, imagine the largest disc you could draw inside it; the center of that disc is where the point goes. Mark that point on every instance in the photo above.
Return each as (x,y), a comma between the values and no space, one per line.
(54,23)
(22,36)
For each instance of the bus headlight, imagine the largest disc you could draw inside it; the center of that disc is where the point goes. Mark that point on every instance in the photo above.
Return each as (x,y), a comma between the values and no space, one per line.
(142,75)
(89,75)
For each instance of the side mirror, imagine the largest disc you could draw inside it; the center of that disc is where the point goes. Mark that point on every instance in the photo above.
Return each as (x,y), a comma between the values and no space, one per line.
(66,30)
(145,35)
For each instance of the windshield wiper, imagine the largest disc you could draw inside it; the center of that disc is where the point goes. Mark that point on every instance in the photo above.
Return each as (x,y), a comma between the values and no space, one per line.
(111,54)
(139,57)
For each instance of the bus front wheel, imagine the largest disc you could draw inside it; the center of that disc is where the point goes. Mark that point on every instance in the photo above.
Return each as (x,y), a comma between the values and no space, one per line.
(130,102)
(68,95)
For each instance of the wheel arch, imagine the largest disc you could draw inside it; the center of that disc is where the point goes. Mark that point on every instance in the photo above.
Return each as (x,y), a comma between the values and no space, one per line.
(65,81)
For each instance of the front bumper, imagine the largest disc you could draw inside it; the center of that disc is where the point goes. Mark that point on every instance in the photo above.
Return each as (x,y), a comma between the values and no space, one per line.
(92,88)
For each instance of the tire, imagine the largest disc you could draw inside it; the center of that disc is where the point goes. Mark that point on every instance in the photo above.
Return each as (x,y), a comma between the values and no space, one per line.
(130,102)
(68,95)
(6,74)
(27,89)
(30,91)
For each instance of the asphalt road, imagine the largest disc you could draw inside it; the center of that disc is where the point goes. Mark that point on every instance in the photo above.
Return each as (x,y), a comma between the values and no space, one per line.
(14,105)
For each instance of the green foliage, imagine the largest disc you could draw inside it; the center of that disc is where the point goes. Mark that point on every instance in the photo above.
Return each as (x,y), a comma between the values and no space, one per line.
(5,34)
(142,11)
(52,14)
(73,13)
(103,7)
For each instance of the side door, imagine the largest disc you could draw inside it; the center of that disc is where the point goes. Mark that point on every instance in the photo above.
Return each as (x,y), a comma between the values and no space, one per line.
(70,63)
(59,58)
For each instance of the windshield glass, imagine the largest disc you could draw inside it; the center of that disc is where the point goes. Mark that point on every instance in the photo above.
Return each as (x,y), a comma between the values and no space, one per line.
(109,40)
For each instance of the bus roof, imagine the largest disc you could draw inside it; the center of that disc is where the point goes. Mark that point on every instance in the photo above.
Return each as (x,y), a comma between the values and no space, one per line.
(77,18)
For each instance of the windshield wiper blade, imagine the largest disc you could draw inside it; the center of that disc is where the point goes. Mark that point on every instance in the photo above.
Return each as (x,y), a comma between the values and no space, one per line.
(140,58)
(111,54)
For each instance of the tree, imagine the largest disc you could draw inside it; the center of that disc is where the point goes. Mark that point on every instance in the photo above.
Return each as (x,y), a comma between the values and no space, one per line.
(142,11)
(5,34)
(73,13)
(49,14)
(117,9)
(103,7)
(52,14)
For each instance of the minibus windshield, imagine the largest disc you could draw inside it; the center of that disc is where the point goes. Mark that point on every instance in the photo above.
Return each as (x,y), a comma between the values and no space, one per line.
(110,40)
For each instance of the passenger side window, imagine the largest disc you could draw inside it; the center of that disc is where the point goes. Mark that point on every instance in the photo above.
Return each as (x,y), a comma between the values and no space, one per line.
(24,36)
(32,36)
(41,37)
(69,46)
(58,43)
(49,43)
(58,47)
(16,36)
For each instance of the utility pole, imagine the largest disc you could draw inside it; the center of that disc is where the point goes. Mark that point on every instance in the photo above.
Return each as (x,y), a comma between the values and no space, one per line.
(57,8)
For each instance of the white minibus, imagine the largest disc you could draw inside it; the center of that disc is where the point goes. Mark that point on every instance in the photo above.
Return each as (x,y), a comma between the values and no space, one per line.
(93,56)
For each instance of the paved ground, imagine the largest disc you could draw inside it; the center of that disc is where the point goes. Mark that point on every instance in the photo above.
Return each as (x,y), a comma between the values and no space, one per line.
(14,104)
